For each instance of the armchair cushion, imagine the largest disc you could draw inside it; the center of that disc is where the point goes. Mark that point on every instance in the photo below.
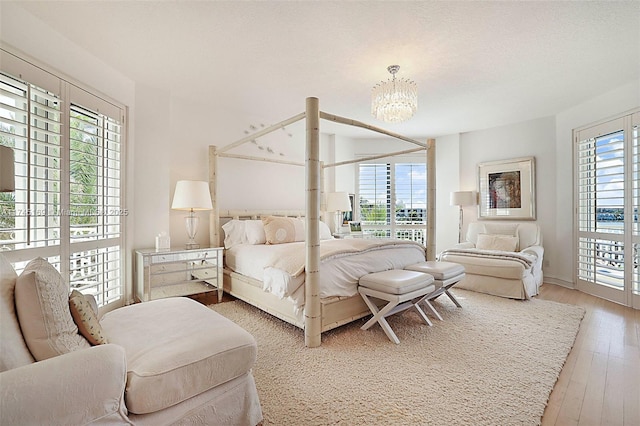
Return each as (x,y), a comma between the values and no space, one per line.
(42,303)
(176,348)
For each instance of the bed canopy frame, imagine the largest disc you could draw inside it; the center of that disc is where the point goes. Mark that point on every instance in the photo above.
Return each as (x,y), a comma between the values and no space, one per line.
(313,188)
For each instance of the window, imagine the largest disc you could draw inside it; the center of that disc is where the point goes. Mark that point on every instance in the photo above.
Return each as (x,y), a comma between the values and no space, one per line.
(67,206)
(607,197)
(392,199)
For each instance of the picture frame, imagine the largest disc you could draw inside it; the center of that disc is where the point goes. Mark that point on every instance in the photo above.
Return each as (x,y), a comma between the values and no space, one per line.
(507,189)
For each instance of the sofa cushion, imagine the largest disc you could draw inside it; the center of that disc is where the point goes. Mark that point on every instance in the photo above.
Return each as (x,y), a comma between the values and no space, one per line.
(176,348)
(13,350)
(42,302)
(86,319)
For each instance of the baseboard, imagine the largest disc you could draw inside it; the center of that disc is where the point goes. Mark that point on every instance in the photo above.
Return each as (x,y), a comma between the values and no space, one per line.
(557,281)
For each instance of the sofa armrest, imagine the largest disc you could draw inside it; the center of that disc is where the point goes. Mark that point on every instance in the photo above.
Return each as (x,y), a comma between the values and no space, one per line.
(78,388)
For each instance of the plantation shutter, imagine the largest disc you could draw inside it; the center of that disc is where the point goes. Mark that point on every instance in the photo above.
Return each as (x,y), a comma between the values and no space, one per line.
(601,185)
(375,198)
(635,124)
(411,201)
(30,123)
(96,214)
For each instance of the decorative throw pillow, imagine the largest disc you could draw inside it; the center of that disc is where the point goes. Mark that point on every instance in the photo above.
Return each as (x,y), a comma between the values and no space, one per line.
(42,303)
(254,232)
(279,230)
(234,233)
(86,319)
(497,242)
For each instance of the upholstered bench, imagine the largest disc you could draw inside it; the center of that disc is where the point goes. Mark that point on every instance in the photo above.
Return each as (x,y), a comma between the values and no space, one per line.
(402,289)
(445,274)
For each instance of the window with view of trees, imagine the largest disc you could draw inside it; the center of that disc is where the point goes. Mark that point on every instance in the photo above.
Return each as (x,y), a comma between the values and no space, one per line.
(67,204)
(393,199)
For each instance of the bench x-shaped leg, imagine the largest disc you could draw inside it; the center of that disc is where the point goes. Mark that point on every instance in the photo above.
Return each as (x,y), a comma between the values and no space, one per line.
(396,304)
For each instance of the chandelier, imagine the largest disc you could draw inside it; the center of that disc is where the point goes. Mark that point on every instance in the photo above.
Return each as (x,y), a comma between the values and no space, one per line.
(394,100)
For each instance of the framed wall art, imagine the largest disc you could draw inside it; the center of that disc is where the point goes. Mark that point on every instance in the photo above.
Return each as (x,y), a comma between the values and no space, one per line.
(507,189)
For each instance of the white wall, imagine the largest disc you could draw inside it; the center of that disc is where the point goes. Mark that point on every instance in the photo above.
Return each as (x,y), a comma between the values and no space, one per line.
(531,138)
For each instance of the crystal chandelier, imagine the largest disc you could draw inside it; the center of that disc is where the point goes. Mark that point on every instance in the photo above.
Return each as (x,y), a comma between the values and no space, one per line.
(394,100)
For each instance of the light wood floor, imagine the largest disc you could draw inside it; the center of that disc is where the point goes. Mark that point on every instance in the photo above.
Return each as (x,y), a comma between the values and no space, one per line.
(600,381)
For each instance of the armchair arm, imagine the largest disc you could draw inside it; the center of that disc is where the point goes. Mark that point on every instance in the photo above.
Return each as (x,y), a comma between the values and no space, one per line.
(538,252)
(79,388)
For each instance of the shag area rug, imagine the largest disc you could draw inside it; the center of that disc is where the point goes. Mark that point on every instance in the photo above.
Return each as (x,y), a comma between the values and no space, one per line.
(492,362)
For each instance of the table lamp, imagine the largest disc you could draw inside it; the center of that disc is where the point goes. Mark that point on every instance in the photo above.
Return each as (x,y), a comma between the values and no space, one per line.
(193,196)
(338,202)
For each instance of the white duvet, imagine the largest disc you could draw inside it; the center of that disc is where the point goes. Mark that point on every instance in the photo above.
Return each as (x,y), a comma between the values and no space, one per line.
(342,264)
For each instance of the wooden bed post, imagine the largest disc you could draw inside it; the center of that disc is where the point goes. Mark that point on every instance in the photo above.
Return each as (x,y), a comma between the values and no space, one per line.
(430,242)
(214,217)
(312,311)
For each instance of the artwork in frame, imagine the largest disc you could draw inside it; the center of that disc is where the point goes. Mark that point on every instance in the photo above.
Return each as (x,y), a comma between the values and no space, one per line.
(507,189)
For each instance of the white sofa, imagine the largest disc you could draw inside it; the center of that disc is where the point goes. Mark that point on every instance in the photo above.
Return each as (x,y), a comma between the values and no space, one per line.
(170,361)
(494,265)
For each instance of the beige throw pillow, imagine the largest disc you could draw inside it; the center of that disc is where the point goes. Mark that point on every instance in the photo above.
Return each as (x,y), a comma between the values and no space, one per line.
(42,303)
(497,242)
(279,230)
(86,319)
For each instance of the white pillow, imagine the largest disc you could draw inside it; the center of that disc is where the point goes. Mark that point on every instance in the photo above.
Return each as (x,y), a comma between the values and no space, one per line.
(234,233)
(497,242)
(325,232)
(254,232)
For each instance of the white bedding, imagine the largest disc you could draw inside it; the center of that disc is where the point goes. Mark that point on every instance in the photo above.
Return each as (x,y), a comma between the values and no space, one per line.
(339,270)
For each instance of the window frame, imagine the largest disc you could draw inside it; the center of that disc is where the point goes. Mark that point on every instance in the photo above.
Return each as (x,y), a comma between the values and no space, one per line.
(394,227)
(74,94)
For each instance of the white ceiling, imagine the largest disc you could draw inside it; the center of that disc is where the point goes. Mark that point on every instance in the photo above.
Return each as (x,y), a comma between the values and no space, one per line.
(477,64)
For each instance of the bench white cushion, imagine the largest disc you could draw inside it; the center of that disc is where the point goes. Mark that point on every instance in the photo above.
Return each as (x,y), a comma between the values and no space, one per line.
(396,281)
(441,271)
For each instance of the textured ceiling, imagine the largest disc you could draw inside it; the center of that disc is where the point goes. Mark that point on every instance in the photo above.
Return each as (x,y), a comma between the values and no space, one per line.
(476,64)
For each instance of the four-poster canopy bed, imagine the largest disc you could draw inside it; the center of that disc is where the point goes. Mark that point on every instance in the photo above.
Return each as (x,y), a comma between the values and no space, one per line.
(321,313)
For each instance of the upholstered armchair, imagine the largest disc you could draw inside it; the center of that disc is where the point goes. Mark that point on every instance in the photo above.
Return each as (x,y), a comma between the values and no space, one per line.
(169,361)
(502,259)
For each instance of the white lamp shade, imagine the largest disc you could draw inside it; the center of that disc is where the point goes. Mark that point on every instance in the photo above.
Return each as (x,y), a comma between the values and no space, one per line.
(463,198)
(338,201)
(191,195)
(7,175)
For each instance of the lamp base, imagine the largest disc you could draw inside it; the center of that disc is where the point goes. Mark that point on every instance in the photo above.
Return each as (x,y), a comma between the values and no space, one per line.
(191,246)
